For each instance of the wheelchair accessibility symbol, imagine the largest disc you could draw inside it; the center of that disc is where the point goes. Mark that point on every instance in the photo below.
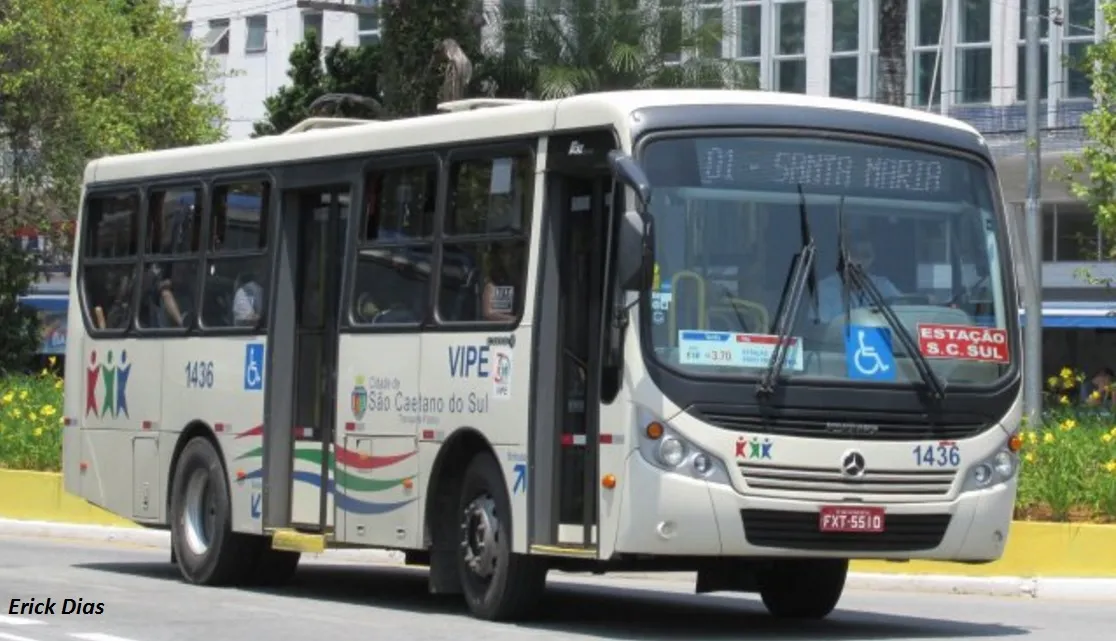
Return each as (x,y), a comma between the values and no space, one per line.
(868,353)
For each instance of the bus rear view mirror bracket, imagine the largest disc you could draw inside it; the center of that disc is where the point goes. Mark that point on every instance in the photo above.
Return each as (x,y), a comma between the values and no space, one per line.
(635,242)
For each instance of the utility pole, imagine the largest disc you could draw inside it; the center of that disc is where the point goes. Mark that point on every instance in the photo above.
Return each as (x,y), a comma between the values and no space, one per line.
(1032,305)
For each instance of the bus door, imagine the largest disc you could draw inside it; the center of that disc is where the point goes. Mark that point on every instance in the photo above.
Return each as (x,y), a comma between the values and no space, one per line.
(320,249)
(579,185)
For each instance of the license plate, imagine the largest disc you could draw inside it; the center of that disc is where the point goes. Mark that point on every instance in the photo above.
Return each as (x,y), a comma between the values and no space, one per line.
(840,518)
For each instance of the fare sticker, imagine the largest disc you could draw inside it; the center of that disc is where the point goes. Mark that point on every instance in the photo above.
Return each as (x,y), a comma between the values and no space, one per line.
(963,342)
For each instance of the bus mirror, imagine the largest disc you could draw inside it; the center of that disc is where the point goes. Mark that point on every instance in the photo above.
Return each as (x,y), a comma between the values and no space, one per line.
(628,171)
(634,251)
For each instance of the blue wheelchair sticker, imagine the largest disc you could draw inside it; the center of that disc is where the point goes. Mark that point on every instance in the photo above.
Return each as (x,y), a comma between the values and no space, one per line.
(868,353)
(253,366)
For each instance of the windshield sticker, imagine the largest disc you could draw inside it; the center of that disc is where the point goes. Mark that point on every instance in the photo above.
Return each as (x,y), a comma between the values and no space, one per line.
(963,342)
(868,353)
(660,305)
(503,299)
(736,350)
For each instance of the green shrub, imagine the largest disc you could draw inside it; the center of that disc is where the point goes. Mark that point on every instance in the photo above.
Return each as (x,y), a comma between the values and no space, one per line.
(31,422)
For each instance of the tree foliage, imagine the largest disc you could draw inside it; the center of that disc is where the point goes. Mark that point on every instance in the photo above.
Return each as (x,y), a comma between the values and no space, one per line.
(1092,174)
(19,325)
(345,72)
(892,75)
(586,46)
(80,80)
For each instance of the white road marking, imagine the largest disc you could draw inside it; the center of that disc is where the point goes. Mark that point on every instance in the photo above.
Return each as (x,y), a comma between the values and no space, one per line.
(13,637)
(7,620)
(97,636)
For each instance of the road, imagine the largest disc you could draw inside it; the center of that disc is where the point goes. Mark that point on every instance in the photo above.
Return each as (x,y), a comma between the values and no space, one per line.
(144,600)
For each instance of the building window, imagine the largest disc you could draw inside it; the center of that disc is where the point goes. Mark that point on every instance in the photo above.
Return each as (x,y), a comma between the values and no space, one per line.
(368,24)
(1044,51)
(312,21)
(790,52)
(712,30)
(1073,230)
(844,59)
(216,40)
(670,30)
(1078,33)
(927,66)
(749,27)
(256,39)
(974,51)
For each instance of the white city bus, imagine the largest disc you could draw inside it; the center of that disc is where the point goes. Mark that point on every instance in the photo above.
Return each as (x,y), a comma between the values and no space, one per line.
(542,335)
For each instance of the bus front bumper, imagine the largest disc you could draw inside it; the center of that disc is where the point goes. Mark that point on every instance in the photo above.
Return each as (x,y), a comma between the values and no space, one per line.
(672,514)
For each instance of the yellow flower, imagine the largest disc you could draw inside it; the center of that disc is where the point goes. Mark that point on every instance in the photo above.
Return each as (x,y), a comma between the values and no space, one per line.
(1068,424)
(1095,396)
(38,431)
(1111,466)
(47,410)
(58,384)
(23,395)
(44,372)
(52,360)
(1029,457)
(1032,438)
(1052,382)
(1067,373)
(7,398)
(1048,438)
(1064,400)
(16,413)
(61,420)
(1112,432)
(1106,437)
(32,417)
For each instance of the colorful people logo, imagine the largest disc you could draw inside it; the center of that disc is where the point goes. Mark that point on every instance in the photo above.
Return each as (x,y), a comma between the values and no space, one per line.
(114,385)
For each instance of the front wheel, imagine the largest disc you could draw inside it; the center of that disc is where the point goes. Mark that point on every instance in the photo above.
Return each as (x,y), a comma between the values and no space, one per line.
(803,588)
(498,585)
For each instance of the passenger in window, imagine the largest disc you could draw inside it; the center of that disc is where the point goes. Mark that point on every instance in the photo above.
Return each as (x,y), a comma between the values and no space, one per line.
(248,302)
(498,297)
(158,298)
(830,298)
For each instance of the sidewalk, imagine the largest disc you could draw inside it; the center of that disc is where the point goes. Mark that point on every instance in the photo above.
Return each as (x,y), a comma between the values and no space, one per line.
(1032,587)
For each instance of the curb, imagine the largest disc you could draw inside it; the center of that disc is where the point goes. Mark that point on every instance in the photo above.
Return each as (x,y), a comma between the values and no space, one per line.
(1004,586)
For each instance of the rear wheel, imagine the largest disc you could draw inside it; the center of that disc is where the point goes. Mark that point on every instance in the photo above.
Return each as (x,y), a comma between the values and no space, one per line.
(206,549)
(498,585)
(803,588)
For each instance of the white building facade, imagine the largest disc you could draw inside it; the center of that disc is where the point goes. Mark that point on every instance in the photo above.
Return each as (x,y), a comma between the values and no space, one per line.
(965,59)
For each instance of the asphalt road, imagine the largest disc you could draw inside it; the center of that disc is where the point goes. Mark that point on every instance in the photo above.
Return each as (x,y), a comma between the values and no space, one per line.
(144,600)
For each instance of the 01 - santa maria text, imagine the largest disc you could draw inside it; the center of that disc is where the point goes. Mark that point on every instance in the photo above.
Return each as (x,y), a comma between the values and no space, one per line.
(52,606)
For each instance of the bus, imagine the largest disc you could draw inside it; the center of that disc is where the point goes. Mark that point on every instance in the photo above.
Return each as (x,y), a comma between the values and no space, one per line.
(750,335)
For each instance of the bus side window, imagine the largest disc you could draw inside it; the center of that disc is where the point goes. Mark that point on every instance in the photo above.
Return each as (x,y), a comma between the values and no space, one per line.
(110,248)
(236,270)
(484,261)
(396,244)
(168,282)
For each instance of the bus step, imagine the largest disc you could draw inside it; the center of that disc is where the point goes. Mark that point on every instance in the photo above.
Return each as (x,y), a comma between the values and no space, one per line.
(575,551)
(295,541)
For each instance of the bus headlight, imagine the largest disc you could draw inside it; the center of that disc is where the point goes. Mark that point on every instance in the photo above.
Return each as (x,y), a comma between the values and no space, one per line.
(998,468)
(1004,463)
(671,452)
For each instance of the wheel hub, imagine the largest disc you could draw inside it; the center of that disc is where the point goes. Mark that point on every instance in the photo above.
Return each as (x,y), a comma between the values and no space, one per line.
(481,533)
(200,513)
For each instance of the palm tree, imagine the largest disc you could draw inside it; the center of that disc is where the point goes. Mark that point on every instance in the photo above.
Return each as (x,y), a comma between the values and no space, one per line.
(562,48)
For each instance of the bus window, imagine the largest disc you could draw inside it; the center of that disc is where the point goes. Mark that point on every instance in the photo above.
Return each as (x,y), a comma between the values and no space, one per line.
(236,272)
(111,242)
(168,283)
(484,263)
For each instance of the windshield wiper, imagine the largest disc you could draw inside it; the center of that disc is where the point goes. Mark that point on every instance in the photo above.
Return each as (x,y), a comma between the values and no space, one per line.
(852,273)
(801,273)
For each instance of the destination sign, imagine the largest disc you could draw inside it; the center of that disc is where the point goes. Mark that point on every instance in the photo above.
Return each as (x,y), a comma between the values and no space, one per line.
(854,169)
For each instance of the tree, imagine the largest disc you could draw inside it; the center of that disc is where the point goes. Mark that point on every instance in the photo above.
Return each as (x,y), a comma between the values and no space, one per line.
(892,74)
(602,45)
(347,85)
(428,52)
(1092,174)
(79,81)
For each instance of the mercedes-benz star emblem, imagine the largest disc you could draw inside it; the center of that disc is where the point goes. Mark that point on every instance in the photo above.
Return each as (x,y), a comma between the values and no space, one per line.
(852,464)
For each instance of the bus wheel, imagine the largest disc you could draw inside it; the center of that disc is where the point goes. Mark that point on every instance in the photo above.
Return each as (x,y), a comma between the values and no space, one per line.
(498,585)
(803,588)
(207,550)
(273,568)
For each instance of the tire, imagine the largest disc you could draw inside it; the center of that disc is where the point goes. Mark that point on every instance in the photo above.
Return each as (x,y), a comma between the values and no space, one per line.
(513,587)
(272,568)
(208,552)
(803,588)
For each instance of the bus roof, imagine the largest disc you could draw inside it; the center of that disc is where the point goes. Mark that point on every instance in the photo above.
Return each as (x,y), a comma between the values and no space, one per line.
(525,118)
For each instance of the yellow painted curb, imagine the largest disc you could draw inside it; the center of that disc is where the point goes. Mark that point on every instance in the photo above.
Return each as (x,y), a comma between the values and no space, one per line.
(39,496)
(1033,549)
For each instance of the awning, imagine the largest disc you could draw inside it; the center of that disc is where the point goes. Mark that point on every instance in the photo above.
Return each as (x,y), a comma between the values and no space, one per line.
(47,303)
(1077,315)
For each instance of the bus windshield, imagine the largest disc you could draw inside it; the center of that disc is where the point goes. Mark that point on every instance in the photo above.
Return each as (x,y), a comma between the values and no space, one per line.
(732,212)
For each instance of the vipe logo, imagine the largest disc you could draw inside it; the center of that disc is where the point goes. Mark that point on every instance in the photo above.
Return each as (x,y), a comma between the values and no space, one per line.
(112,383)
